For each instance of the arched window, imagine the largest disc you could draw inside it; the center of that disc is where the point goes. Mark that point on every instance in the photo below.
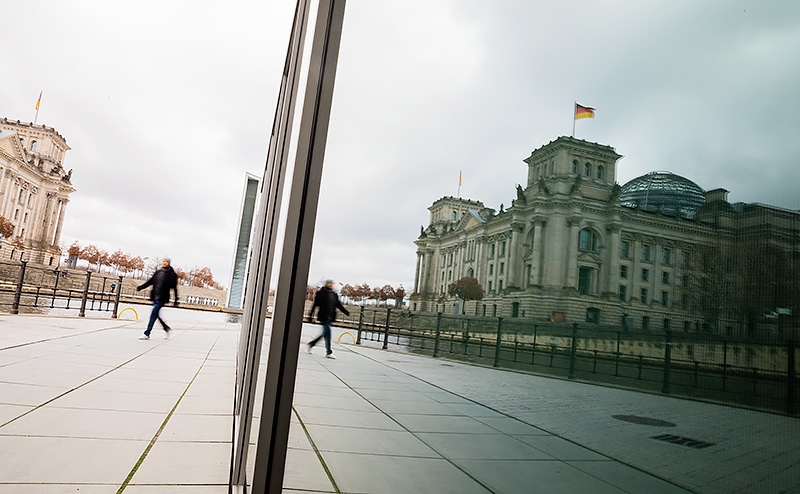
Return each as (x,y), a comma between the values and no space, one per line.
(600,172)
(587,169)
(587,240)
(453,216)
(574,166)
(33,145)
(470,273)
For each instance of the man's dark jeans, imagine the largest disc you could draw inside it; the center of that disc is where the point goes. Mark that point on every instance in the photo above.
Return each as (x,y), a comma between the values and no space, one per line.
(157,305)
(326,333)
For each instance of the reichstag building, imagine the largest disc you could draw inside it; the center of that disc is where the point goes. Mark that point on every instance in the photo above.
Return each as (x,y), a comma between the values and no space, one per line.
(34,190)
(658,252)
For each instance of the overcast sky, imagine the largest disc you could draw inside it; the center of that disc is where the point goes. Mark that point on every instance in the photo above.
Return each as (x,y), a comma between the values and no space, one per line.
(167,104)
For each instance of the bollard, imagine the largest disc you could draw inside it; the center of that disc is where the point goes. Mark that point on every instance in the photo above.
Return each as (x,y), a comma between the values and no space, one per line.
(438,329)
(116,298)
(533,347)
(18,292)
(573,351)
(498,342)
(724,365)
(667,359)
(386,329)
(616,358)
(82,312)
(360,325)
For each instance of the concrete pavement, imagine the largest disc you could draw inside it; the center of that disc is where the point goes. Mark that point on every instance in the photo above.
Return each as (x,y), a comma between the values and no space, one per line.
(87,407)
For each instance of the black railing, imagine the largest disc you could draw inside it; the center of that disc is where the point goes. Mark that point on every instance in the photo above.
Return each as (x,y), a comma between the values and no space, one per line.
(37,289)
(756,373)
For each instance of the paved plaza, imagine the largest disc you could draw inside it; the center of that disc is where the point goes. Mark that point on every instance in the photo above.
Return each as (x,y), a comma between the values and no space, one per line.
(86,407)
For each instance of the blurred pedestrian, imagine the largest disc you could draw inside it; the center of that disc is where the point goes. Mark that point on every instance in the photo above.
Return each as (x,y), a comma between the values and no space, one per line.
(327,301)
(162,281)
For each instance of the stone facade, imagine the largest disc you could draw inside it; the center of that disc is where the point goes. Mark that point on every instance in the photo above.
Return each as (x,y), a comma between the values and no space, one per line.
(34,190)
(568,249)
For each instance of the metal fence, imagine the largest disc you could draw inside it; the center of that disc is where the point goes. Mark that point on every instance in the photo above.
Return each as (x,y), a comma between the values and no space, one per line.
(759,374)
(35,289)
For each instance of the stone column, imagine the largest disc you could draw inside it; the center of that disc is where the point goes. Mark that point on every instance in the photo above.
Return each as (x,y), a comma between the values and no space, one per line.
(513,256)
(609,280)
(416,273)
(61,212)
(573,223)
(536,255)
(555,252)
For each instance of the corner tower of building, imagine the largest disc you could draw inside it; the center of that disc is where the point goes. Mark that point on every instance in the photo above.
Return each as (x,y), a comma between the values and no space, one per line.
(567,165)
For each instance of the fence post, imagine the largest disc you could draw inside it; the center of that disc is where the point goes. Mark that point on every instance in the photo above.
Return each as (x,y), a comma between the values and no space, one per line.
(791,377)
(82,313)
(18,293)
(386,329)
(438,329)
(116,298)
(667,360)
(360,325)
(498,342)
(573,350)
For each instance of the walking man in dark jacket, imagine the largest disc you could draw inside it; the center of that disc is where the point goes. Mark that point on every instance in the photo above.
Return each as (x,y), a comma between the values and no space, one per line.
(162,281)
(327,301)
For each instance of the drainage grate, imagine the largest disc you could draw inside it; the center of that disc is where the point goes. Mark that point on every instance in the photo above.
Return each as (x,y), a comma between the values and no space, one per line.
(683,441)
(635,419)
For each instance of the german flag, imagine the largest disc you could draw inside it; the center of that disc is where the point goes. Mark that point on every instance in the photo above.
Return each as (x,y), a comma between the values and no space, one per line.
(583,112)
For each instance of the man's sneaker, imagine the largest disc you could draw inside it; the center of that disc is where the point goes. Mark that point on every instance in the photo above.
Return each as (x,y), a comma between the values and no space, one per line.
(330,355)
(144,337)
(308,348)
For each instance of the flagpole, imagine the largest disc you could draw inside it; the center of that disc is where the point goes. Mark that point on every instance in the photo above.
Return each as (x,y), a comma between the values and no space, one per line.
(574,106)
(459,184)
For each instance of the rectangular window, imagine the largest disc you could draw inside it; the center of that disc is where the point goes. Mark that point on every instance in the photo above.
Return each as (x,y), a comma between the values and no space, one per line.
(684,301)
(25,218)
(491,269)
(623,292)
(593,315)
(665,299)
(30,199)
(503,248)
(645,274)
(625,249)
(665,278)
(687,259)
(500,286)
(666,256)
(645,252)
(450,261)
(584,281)
(442,275)
(491,251)
(16,214)
(490,286)
(643,297)
(502,267)
(686,280)
(449,275)
(623,272)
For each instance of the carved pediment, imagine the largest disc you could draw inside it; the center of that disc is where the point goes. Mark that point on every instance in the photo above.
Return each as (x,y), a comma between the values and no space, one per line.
(589,258)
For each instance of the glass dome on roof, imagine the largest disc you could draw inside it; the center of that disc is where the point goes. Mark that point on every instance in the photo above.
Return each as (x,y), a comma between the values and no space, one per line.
(664,192)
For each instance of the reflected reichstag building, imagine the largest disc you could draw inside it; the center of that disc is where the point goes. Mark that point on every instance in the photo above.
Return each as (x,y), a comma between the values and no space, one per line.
(656,253)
